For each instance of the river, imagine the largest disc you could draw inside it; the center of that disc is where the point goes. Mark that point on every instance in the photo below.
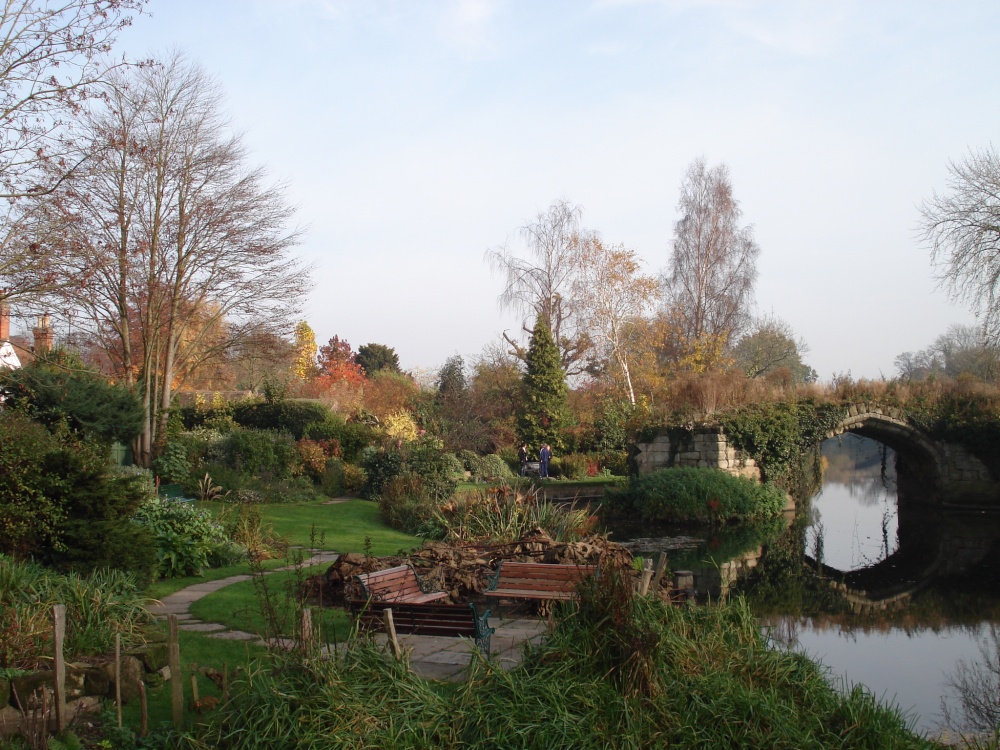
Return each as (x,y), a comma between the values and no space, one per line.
(880,588)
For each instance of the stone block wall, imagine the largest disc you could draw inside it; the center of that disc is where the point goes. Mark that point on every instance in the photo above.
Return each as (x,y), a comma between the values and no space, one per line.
(705,448)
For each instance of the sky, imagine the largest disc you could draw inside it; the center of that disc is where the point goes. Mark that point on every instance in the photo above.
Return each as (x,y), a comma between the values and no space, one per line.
(415,136)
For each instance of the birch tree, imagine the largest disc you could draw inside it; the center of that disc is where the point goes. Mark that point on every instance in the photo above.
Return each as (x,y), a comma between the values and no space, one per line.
(713,263)
(612,294)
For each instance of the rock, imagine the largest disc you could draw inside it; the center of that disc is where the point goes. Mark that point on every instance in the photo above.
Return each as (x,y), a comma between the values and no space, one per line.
(132,673)
(153,655)
(24,689)
(97,680)
(10,720)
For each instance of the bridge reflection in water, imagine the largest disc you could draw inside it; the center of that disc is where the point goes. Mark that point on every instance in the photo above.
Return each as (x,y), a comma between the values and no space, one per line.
(884,589)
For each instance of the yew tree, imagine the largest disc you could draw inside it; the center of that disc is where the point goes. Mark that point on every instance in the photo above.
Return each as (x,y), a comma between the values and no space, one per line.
(543,413)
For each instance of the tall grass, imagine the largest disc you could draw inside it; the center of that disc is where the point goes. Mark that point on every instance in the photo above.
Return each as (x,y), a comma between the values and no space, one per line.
(618,671)
(97,607)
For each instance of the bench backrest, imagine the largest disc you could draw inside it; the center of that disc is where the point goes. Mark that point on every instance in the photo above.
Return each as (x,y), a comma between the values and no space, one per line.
(543,576)
(393,583)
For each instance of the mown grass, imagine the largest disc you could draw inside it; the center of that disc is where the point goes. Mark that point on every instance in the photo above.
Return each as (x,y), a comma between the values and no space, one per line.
(239,606)
(341,527)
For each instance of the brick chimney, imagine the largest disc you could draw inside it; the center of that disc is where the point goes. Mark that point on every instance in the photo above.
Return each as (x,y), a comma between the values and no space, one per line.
(4,322)
(44,336)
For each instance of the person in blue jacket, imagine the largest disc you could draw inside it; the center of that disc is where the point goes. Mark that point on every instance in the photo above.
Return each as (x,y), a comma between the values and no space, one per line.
(544,456)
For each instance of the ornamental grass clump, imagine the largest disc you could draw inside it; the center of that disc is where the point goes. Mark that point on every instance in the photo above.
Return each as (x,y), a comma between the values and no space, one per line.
(97,606)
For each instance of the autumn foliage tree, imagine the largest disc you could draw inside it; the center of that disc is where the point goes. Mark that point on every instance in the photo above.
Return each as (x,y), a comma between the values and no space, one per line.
(612,294)
(337,363)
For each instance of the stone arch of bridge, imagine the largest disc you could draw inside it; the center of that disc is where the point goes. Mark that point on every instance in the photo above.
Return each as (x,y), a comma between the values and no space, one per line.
(889,426)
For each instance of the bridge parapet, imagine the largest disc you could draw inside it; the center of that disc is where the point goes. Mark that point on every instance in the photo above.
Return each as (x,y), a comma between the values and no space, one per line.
(947,471)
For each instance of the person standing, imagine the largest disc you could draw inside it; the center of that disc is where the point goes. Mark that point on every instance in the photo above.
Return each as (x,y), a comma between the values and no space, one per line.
(522,455)
(544,456)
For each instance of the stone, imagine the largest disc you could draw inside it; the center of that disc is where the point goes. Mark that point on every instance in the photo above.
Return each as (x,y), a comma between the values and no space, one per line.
(153,655)
(23,688)
(10,720)
(97,681)
(132,673)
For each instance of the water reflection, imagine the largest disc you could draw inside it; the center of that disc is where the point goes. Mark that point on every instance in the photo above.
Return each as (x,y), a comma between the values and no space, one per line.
(883,590)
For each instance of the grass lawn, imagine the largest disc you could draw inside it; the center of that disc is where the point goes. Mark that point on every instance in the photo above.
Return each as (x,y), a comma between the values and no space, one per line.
(239,606)
(202,651)
(341,527)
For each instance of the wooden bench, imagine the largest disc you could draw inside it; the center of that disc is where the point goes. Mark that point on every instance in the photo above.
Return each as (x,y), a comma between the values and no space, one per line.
(426,619)
(516,580)
(399,584)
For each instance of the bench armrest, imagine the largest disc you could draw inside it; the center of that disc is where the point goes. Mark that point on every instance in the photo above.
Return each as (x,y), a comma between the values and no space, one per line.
(493,579)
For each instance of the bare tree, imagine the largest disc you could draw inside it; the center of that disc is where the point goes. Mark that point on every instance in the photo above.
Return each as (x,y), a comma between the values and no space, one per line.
(713,265)
(612,294)
(178,249)
(52,55)
(542,285)
(962,228)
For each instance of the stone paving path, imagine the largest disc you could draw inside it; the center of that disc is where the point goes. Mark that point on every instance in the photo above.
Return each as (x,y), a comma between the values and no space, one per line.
(432,657)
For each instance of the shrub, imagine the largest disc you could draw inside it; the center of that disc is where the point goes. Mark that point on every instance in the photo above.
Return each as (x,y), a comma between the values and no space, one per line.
(574,466)
(312,457)
(493,468)
(292,417)
(405,505)
(698,495)
(436,469)
(62,503)
(333,482)
(352,437)
(173,465)
(187,539)
(355,478)
(262,453)
(381,466)
(245,526)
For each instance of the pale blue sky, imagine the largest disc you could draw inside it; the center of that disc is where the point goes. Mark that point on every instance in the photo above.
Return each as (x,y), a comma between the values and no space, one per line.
(415,135)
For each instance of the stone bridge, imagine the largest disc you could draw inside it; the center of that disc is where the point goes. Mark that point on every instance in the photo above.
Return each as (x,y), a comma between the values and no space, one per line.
(944,472)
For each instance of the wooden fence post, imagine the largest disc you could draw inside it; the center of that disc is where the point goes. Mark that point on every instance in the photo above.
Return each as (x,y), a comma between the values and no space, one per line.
(661,568)
(59,664)
(118,677)
(647,574)
(390,628)
(307,630)
(174,659)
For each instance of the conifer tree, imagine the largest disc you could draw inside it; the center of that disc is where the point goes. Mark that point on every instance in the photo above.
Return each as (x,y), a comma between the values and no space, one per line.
(543,413)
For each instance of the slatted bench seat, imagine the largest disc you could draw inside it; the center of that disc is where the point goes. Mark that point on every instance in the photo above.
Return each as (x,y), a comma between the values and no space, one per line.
(399,584)
(452,620)
(516,580)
